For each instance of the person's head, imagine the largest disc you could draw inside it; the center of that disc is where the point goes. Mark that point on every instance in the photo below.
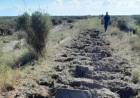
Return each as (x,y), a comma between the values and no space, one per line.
(106,13)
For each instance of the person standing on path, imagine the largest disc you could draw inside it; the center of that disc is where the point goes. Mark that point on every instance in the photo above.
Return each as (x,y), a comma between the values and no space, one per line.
(106,21)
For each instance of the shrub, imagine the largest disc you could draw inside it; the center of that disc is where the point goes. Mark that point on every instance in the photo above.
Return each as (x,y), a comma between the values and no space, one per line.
(70,21)
(123,25)
(41,26)
(23,22)
(56,21)
(135,30)
(37,27)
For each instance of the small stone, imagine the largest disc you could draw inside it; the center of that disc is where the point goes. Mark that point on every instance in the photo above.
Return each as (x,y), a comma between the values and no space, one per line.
(69,93)
(55,76)
(81,71)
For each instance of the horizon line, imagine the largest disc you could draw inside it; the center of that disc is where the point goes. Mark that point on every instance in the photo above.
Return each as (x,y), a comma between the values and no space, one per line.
(77,15)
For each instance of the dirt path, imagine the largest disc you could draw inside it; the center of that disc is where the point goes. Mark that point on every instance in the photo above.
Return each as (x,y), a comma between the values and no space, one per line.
(84,68)
(89,68)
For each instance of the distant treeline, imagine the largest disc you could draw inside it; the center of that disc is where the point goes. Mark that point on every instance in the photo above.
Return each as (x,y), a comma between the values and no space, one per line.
(67,19)
(9,23)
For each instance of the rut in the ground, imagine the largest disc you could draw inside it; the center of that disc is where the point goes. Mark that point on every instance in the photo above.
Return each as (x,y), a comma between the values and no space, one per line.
(88,64)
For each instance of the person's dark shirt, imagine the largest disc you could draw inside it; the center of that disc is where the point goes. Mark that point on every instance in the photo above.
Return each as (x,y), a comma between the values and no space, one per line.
(106,19)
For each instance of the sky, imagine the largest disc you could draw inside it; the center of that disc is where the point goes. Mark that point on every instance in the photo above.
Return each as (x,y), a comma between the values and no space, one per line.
(70,7)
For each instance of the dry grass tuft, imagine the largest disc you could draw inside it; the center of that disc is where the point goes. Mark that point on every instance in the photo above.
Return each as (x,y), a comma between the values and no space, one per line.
(136,74)
(8,77)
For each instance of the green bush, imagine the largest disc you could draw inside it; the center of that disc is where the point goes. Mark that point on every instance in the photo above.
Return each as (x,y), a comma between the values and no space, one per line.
(123,25)
(56,21)
(37,27)
(23,22)
(41,26)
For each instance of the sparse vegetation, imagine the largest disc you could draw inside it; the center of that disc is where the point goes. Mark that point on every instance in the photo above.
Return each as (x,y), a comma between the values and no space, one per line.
(8,78)
(35,29)
(8,75)
(128,46)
